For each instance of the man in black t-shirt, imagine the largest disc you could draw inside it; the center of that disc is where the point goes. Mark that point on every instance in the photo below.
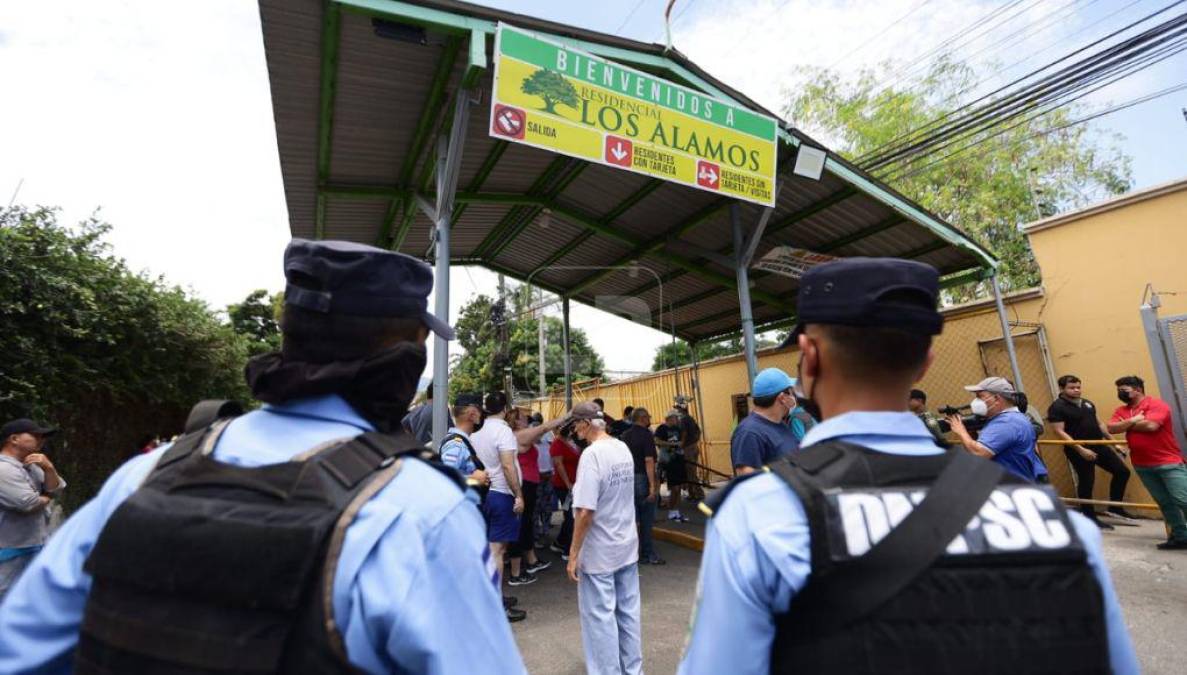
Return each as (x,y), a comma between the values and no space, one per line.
(642,446)
(1073,418)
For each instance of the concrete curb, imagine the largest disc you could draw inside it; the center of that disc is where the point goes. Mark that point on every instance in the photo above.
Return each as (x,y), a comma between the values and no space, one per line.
(682,539)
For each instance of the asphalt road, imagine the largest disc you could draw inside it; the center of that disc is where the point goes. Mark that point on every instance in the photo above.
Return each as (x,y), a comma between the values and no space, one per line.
(1152,589)
(550,637)
(1151,586)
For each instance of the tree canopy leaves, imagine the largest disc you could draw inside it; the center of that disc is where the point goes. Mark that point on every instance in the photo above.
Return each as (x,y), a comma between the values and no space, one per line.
(108,355)
(478,369)
(987,185)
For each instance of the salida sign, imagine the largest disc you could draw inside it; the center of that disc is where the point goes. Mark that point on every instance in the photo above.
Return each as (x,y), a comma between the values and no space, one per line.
(568,101)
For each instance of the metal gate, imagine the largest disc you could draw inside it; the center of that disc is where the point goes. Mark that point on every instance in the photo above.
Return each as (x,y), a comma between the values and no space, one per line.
(1167,339)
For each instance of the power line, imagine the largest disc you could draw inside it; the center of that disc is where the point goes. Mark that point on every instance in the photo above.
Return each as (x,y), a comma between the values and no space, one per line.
(952,39)
(628,17)
(877,35)
(914,135)
(1081,120)
(1140,58)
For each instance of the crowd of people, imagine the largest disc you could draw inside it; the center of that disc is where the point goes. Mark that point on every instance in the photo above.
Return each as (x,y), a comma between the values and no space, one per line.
(526,469)
(318,533)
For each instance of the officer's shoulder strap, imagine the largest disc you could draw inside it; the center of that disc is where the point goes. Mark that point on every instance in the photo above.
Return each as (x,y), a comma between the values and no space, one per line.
(201,440)
(207,412)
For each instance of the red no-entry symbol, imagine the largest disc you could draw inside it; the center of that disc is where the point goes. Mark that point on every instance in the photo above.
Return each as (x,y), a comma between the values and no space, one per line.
(508,121)
(708,175)
(619,151)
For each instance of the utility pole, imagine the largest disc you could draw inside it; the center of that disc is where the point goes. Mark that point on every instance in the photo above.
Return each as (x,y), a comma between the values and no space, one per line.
(541,343)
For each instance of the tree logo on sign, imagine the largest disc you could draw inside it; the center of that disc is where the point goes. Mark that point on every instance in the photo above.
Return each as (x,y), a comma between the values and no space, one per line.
(552,87)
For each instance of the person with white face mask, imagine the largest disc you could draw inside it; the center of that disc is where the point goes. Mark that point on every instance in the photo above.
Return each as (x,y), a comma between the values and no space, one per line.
(1008,438)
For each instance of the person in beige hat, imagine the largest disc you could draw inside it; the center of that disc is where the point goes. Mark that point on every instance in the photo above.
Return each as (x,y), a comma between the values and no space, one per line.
(1008,438)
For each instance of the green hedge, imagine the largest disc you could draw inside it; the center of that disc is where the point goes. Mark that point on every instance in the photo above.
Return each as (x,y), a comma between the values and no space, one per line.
(106,354)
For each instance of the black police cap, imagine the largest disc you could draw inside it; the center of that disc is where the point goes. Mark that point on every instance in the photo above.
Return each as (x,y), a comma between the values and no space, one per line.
(24,426)
(342,277)
(874,292)
(463,400)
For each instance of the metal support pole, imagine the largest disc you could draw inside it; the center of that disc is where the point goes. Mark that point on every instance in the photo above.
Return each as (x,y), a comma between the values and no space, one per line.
(541,345)
(1001,315)
(741,268)
(1164,372)
(568,356)
(696,394)
(449,160)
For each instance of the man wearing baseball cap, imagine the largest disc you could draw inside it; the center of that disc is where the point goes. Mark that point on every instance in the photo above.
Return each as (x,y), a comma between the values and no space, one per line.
(871,550)
(310,535)
(765,434)
(28,483)
(1008,438)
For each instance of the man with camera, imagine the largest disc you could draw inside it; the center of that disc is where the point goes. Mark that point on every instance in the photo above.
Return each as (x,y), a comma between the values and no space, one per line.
(1008,437)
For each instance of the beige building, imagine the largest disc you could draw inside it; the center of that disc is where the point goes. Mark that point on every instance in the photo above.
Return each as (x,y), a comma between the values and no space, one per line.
(1097,264)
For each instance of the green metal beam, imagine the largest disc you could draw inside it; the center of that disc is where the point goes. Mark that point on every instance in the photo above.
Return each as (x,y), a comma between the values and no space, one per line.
(784,223)
(531,213)
(691,300)
(654,244)
(477,60)
(331,38)
(770,325)
(420,134)
(484,172)
(609,217)
(497,231)
(925,249)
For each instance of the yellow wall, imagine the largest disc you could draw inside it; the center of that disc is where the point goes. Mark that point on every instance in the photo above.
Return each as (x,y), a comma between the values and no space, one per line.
(1095,269)
(1095,266)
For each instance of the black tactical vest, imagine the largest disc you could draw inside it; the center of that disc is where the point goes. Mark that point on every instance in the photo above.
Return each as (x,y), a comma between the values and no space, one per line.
(215,568)
(1012,593)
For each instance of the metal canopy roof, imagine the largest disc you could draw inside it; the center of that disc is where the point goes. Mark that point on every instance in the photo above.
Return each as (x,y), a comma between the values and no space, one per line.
(361,88)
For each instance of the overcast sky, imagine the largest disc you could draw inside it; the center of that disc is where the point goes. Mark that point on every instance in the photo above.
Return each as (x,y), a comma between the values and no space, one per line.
(158,114)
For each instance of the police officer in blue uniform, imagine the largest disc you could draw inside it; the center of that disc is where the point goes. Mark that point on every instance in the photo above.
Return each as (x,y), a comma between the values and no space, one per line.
(874,551)
(311,535)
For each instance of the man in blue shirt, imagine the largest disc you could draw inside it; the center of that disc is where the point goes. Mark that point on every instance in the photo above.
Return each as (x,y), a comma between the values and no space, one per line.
(406,577)
(456,450)
(864,339)
(765,435)
(1008,438)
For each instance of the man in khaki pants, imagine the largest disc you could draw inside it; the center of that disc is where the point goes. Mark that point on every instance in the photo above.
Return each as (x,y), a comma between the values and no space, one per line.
(690,443)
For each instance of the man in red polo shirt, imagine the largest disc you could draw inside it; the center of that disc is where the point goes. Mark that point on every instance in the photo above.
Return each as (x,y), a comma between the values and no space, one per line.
(1146,422)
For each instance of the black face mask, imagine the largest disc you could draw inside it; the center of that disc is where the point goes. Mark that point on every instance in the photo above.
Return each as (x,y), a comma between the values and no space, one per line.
(379,387)
(1123,395)
(810,406)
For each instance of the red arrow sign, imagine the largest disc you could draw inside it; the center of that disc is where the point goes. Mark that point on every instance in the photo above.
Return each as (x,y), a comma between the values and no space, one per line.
(619,151)
(708,175)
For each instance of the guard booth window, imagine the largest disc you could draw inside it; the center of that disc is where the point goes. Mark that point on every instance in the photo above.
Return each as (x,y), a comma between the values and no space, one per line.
(741,408)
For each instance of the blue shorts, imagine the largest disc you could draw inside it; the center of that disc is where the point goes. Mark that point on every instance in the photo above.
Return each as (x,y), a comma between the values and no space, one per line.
(502,525)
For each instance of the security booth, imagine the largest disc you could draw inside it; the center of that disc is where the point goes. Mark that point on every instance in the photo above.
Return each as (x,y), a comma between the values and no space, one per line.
(606,171)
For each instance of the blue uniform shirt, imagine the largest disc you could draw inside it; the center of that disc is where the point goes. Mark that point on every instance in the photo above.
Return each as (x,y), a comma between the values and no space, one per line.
(414,573)
(455,453)
(757,441)
(757,556)
(1011,438)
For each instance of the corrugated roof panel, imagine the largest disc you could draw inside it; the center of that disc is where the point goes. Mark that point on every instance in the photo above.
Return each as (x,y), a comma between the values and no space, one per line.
(292,34)
(599,189)
(354,219)
(381,89)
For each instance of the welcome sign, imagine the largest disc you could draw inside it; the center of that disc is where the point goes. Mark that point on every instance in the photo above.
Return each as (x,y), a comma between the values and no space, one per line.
(565,100)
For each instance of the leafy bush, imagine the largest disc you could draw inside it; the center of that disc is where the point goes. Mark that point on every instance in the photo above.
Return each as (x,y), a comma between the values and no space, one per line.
(108,355)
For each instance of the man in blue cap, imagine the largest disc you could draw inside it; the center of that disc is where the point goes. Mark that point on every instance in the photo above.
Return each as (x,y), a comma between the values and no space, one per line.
(871,550)
(311,535)
(765,434)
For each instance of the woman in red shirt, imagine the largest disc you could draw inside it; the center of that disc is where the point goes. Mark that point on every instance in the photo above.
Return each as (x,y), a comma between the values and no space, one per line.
(529,471)
(565,455)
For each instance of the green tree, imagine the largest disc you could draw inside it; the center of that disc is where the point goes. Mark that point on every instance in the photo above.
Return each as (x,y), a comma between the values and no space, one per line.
(552,87)
(679,353)
(476,369)
(1030,171)
(107,355)
(257,319)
